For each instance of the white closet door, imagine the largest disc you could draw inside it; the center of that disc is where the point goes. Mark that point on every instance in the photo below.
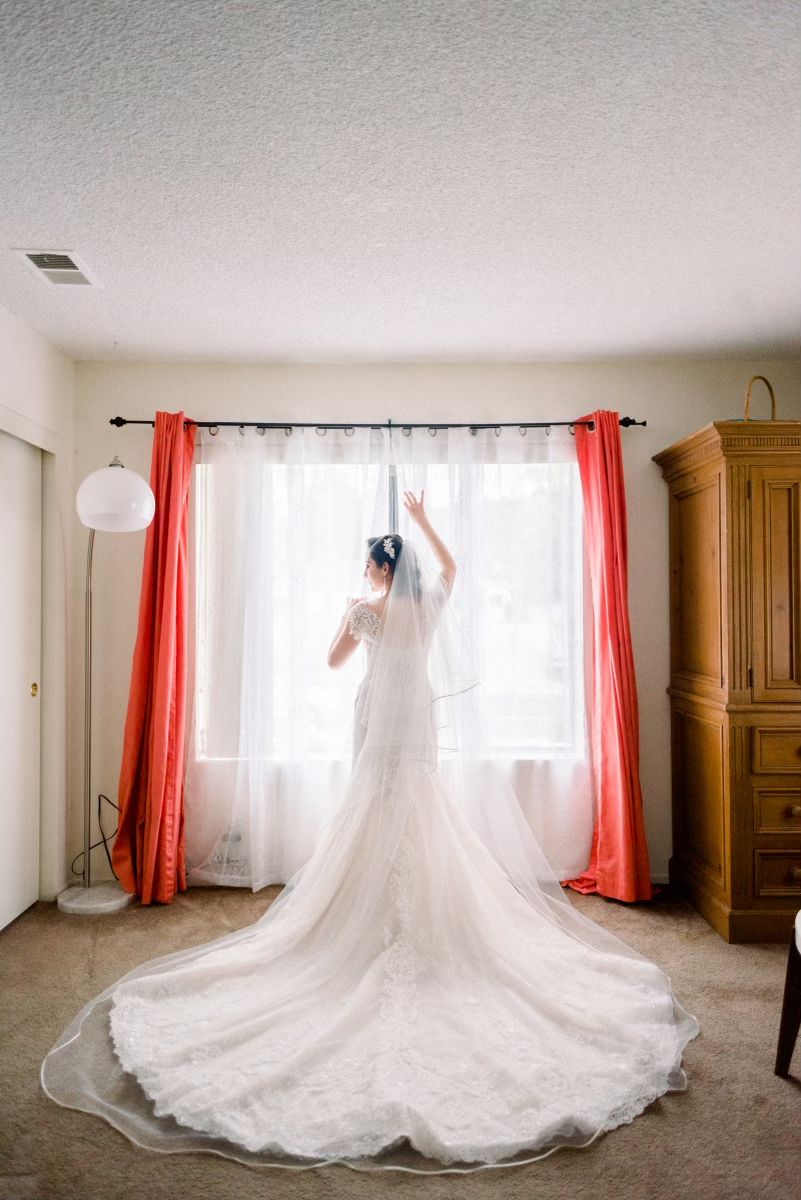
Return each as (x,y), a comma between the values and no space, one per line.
(20,649)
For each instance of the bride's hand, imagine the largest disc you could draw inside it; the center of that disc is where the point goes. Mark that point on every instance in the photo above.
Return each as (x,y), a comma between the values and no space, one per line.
(414,507)
(416,510)
(351,601)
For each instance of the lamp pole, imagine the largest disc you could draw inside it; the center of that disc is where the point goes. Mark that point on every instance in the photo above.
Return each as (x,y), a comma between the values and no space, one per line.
(87,716)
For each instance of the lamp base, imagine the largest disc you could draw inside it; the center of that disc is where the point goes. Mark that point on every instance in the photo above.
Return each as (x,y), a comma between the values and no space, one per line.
(102,898)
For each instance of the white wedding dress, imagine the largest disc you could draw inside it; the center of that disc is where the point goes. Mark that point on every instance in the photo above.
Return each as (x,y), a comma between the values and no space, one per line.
(421,988)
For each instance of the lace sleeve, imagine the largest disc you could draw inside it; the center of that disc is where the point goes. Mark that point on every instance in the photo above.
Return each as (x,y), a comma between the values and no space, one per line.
(363,622)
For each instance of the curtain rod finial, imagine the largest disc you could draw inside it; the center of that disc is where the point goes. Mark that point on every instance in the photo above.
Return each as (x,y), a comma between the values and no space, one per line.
(118,421)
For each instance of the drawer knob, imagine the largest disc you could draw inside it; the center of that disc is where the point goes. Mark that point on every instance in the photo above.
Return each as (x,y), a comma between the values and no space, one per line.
(797,875)
(795,811)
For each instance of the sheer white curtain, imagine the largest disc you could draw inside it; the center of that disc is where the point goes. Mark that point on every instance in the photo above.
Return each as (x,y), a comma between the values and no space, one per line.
(280,523)
(509,502)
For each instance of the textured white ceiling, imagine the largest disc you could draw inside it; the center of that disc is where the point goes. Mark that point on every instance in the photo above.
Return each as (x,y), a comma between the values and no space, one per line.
(394,179)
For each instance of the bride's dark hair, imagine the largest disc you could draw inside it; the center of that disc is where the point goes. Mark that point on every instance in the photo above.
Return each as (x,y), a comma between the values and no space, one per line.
(379,550)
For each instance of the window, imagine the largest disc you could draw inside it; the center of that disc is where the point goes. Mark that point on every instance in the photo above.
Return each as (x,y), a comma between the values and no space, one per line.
(280,528)
(516,529)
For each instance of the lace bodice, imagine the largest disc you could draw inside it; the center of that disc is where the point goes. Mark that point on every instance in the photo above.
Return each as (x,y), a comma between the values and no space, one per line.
(364,623)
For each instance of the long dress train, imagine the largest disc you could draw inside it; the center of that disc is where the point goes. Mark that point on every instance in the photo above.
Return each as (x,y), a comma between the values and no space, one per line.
(422,979)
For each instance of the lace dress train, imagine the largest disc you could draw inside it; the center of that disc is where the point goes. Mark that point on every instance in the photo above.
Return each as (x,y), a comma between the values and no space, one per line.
(403,988)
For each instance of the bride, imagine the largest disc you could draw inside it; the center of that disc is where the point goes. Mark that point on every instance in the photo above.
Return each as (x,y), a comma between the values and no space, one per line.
(422,985)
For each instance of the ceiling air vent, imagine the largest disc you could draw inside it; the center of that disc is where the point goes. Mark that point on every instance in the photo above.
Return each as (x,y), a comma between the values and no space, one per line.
(58,267)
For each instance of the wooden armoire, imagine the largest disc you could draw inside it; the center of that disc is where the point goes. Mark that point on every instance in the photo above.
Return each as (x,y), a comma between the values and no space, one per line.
(735,674)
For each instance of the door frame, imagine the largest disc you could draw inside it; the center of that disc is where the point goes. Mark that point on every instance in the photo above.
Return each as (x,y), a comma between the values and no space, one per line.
(53,651)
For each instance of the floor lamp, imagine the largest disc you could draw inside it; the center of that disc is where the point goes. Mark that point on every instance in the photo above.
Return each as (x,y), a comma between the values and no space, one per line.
(116,501)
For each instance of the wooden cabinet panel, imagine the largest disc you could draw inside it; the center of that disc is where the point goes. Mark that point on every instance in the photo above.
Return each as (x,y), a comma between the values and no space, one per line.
(699,766)
(697,595)
(777,810)
(776,751)
(778,872)
(776,594)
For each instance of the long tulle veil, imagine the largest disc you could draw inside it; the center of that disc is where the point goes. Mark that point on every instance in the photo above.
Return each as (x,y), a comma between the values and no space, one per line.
(425,729)
(424,753)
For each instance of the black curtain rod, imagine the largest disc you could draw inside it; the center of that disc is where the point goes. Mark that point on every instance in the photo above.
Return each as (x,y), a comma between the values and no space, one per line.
(624,421)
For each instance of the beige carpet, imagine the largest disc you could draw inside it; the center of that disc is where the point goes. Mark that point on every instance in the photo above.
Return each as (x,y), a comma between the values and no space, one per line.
(734,1135)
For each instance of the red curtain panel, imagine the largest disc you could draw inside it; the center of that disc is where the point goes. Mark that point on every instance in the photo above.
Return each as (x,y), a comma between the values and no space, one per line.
(148,854)
(619,866)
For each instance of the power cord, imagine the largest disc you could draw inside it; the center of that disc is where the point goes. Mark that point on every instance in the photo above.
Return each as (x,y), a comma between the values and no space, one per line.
(103,842)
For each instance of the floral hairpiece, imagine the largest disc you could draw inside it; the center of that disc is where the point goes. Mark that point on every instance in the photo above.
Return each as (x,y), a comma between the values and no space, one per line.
(389,547)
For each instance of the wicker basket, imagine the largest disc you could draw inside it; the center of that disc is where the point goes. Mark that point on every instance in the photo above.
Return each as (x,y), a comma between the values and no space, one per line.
(748,398)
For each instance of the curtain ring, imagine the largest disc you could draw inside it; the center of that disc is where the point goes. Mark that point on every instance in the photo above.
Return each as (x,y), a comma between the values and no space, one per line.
(547,431)
(241,430)
(591,427)
(214,430)
(349,432)
(432,430)
(288,431)
(321,431)
(473,431)
(407,431)
(497,431)
(523,430)
(571,430)
(261,430)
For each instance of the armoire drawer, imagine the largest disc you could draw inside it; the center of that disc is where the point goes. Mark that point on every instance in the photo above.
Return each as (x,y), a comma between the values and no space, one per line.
(777,809)
(777,872)
(776,751)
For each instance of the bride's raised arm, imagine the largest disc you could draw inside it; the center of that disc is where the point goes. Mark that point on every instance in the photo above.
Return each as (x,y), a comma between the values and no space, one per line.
(416,510)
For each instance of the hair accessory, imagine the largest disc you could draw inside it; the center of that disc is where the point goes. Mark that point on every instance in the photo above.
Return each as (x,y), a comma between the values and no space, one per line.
(389,547)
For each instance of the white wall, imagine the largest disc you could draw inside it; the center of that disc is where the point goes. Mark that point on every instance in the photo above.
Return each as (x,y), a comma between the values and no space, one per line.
(36,397)
(675,396)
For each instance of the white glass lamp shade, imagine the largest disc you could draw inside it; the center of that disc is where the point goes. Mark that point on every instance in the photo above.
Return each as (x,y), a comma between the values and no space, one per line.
(115,500)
